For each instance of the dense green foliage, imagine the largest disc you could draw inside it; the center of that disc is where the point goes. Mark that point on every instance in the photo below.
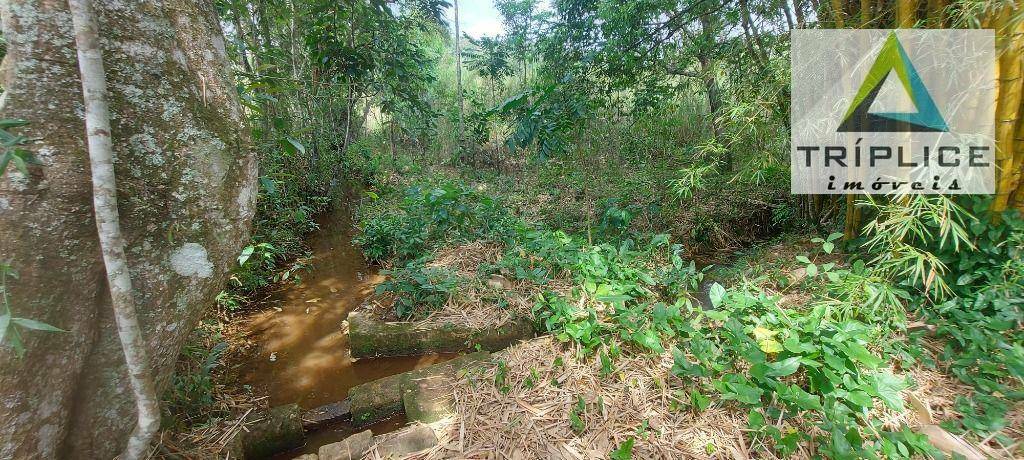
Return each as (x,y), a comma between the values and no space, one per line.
(429,216)
(307,70)
(618,147)
(830,361)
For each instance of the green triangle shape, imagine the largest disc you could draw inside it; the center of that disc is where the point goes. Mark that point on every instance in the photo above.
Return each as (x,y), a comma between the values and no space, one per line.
(892,58)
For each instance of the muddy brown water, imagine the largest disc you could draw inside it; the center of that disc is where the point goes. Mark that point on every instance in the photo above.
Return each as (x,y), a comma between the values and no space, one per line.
(304,354)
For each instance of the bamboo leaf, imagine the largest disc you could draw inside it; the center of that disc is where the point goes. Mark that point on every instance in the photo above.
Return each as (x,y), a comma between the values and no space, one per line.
(293,145)
(5,322)
(12,123)
(36,325)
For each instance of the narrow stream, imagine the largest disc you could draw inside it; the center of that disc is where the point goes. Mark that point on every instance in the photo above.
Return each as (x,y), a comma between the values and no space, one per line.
(304,356)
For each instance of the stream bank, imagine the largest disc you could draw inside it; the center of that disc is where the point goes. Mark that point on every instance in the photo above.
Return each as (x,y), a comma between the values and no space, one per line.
(303,355)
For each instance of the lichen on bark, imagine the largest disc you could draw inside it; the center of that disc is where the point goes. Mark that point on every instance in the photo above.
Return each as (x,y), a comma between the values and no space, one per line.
(185,187)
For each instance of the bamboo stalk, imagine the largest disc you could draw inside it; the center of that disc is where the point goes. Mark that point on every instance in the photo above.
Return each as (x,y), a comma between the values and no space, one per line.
(936,10)
(906,13)
(838,14)
(1008,105)
(865,12)
(1017,198)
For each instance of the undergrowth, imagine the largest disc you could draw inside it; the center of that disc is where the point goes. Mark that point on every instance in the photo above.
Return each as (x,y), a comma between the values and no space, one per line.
(819,369)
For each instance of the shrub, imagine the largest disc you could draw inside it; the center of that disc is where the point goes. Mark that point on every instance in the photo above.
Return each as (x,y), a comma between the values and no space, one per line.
(190,395)
(418,289)
(427,217)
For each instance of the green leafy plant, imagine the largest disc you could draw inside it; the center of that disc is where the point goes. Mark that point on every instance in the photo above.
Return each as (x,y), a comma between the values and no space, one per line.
(576,414)
(10,147)
(11,326)
(428,216)
(624,451)
(615,218)
(691,181)
(418,289)
(190,394)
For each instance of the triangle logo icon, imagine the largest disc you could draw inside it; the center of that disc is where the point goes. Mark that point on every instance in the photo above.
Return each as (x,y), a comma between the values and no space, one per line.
(893,59)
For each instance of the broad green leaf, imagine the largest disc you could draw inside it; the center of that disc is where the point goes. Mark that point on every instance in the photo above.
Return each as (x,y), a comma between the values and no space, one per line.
(887,387)
(747,394)
(859,353)
(800,398)
(716,293)
(803,259)
(840,444)
(794,345)
(576,422)
(246,253)
(624,451)
(812,270)
(755,420)
(860,398)
(648,338)
(785,367)
(717,315)
(699,401)
(614,299)
(293,145)
(268,185)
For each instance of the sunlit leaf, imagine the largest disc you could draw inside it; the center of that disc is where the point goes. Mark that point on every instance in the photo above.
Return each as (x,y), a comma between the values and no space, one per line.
(770,346)
(246,253)
(716,294)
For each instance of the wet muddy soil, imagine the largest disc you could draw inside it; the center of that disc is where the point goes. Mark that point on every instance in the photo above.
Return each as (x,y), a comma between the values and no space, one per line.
(304,355)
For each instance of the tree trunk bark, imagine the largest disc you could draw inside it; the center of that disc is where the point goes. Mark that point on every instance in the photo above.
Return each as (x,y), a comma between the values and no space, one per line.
(788,13)
(1017,198)
(838,15)
(747,35)
(186,193)
(798,10)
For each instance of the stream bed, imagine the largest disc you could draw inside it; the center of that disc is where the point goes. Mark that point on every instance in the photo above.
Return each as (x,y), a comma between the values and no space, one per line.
(304,353)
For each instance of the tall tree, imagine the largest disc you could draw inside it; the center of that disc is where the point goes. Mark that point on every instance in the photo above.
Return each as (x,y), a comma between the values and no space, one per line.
(458,72)
(185,192)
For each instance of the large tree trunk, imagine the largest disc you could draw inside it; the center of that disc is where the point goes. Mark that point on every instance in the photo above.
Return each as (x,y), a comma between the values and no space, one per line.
(186,191)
